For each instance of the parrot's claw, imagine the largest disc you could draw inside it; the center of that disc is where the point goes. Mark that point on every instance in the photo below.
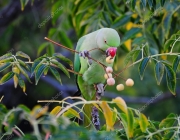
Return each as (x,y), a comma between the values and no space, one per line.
(85,54)
(100,90)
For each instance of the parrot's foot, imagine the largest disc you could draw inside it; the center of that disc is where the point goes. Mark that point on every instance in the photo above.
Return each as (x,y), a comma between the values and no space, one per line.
(85,54)
(100,91)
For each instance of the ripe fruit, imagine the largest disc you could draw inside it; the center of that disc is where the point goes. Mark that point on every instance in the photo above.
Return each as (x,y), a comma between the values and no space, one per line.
(109,70)
(129,82)
(120,87)
(106,76)
(110,81)
(109,60)
(112,51)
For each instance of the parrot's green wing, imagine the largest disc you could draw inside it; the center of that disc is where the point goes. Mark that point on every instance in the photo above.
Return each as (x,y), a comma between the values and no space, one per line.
(80,83)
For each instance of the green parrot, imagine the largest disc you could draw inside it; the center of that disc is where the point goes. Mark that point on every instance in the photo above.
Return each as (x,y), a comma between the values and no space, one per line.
(92,79)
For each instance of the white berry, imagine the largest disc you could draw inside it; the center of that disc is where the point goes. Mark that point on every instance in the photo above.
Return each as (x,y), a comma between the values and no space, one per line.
(109,70)
(110,81)
(107,75)
(120,87)
(129,82)
(109,60)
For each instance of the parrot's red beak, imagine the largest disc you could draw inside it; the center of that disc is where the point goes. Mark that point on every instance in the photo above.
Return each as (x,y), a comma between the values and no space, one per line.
(111,52)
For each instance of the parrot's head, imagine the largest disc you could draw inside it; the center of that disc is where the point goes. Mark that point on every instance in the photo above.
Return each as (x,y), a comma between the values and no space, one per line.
(108,40)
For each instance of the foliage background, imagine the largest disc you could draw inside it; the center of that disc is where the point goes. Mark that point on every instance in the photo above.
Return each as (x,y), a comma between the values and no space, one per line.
(25,31)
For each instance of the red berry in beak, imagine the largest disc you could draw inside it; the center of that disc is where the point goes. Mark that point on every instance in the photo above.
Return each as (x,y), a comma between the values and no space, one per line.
(111,51)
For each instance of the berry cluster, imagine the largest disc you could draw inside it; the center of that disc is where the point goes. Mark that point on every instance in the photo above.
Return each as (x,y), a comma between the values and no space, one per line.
(110,80)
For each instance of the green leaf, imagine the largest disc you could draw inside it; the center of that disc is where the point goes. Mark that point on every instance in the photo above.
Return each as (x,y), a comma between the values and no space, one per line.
(124,121)
(162,2)
(85,5)
(24,108)
(132,55)
(168,44)
(46,70)
(39,72)
(37,64)
(129,34)
(150,2)
(63,58)
(107,18)
(170,135)
(112,8)
(3,109)
(57,8)
(50,50)
(8,59)
(64,39)
(51,33)
(114,115)
(146,50)
(24,72)
(135,55)
(169,121)
(138,41)
(176,62)
(121,104)
(6,77)
(133,4)
(19,53)
(4,66)
(120,21)
(159,72)
(130,120)
(23,64)
(42,47)
(7,55)
(23,4)
(71,113)
(60,66)
(151,40)
(56,74)
(171,79)
(143,3)
(22,84)
(143,122)
(166,21)
(142,66)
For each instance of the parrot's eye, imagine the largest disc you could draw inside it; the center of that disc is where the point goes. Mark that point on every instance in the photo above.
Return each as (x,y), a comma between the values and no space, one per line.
(105,41)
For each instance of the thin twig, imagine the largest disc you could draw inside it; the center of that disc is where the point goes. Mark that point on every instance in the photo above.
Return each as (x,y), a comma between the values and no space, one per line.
(61,45)
(1,98)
